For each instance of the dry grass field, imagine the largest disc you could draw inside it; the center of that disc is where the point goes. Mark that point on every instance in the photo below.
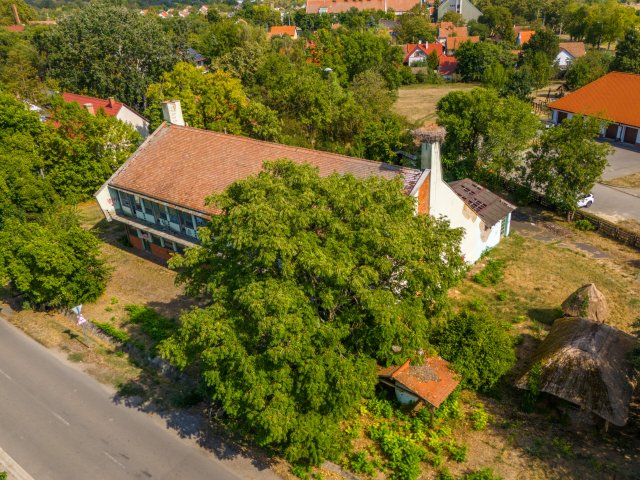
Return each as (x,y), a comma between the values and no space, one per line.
(417,103)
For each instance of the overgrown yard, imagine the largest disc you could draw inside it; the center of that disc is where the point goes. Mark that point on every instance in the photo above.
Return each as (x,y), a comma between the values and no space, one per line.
(417,103)
(523,282)
(630,181)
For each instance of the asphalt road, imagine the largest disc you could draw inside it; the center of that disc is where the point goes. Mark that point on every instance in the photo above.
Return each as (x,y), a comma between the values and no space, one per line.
(58,423)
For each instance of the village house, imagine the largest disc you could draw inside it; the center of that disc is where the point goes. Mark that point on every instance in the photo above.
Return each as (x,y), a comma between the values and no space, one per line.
(448,29)
(341,6)
(159,192)
(464,7)
(113,108)
(415,53)
(614,98)
(447,67)
(453,43)
(196,58)
(523,37)
(569,51)
(283,31)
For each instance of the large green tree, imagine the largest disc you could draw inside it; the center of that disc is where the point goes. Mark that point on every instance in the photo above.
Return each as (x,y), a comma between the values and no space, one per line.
(475,58)
(81,151)
(107,50)
(627,57)
(311,282)
(52,261)
(566,161)
(485,133)
(586,69)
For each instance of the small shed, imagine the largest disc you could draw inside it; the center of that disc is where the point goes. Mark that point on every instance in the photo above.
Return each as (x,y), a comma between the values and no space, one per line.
(587,363)
(432,382)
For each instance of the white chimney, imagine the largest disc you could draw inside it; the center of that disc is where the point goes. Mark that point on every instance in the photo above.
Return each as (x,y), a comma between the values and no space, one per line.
(172,112)
(89,108)
(430,138)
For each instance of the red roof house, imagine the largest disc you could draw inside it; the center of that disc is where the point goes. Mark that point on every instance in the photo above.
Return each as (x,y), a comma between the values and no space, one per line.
(113,108)
(448,66)
(432,382)
(283,30)
(453,43)
(524,36)
(418,52)
(341,6)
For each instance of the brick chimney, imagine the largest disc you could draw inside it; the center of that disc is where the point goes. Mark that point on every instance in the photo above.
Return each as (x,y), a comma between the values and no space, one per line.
(172,112)
(112,102)
(89,108)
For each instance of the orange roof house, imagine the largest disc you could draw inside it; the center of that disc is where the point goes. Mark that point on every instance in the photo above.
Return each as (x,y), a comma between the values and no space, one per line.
(524,36)
(448,66)
(453,43)
(283,30)
(432,382)
(448,29)
(614,97)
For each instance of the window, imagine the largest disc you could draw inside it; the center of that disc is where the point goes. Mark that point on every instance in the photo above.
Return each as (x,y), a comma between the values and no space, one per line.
(173,215)
(200,222)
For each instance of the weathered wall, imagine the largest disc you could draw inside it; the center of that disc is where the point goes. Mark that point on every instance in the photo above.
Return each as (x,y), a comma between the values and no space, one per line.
(135,120)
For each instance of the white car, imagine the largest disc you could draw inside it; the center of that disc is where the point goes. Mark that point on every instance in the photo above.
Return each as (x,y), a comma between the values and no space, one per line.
(585,202)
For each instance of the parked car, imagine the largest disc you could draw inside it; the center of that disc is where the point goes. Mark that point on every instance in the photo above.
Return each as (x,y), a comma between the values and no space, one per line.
(585,202)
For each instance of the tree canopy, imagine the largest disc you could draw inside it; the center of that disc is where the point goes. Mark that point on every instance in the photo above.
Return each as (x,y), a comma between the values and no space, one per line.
(485,133)
(627,58)
(311,282)
(107,50)
(566,161)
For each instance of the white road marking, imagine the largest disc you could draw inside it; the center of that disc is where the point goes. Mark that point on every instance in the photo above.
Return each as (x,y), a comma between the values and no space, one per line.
(3,373)
(110,457)
(15,471)
(59,417)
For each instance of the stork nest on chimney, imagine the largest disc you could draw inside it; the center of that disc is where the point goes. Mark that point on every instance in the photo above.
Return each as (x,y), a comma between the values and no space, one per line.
(430,133)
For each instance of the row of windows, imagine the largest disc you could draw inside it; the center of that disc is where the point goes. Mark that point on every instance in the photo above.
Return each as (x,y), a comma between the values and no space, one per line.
(156,240)
(170,218)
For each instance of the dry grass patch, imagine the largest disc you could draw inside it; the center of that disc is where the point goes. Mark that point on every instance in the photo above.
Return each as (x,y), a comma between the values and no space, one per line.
(630,181)
(417,103)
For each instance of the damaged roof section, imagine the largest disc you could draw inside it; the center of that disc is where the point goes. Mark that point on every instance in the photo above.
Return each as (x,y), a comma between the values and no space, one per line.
(490,207)
(431,382)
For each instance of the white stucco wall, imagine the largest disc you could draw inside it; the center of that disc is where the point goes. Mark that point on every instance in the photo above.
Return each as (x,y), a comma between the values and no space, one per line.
(563,59)
(106,203)
(416,57)
(135,120)
(444,202)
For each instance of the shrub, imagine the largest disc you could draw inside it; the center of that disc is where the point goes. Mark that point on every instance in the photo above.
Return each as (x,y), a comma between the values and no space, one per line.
(380,407)
(445,474)
(482,474)
(584,225)
(152,324)
(478,346)
(533,388)
(403,453)
(3,475)
(114,332)
(491,274)
(457,451)
(359,463)
(479,418)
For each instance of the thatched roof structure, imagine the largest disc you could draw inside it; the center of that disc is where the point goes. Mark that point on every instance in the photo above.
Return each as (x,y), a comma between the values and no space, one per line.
(586,302)
(430,133)
(587,363)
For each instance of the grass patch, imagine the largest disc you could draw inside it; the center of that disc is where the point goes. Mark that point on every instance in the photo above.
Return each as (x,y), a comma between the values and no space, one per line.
(630,181)
(76,357)
(417,103)
(491,274)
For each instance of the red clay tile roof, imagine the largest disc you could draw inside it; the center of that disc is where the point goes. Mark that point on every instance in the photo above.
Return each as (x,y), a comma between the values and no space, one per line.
(448,29)
(614,97)
(448,65)
(98,103)
(433,381)
(339,6)
(184,165)
(575,49)
(525,36)
(14,28)
(410,48)
(490,207)
(453,43)
(289,30)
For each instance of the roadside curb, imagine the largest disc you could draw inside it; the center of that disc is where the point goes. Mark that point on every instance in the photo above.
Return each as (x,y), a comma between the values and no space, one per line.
(15,471)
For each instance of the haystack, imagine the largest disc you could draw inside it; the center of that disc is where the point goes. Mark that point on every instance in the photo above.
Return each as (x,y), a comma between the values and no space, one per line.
(586,302)
(587,363)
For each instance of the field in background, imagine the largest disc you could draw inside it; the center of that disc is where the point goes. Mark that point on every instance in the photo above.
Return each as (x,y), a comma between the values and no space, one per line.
(417,103)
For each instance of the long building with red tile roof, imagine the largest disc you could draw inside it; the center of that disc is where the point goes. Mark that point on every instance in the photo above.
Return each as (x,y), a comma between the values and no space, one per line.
(614,97)
(341,6)
(113,108)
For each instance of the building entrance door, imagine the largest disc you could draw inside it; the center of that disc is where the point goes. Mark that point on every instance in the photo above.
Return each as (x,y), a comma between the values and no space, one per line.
(631,135)
(612,131)
(146,245)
